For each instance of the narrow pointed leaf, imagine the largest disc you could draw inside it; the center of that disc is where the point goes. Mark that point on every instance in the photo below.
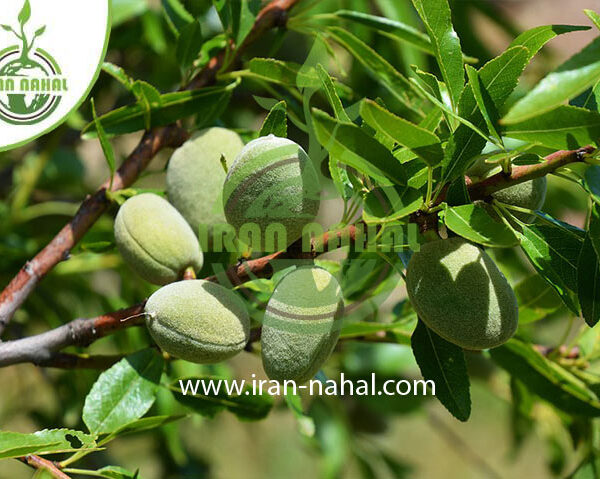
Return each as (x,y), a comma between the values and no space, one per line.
(594,17)
(397,84)
(546,378)
(395,28)
(588,280)
(484,102)
(554,252)
(177,16)
(352,146)
(107,149)
(173,106)
(565,128)
(419,140)
(475,224)
(276,121)
(569,80)
(444,364)
(189,44)
(499,77)
(537,37)
(388,204)
(331,94)
(437,18)
(595,228)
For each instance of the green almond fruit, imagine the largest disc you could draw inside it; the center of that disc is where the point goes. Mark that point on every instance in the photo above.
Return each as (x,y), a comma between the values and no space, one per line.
(302,324)
(459,292)
(272,181)
(155,240)
(198,321)
(530,195)
(195,175)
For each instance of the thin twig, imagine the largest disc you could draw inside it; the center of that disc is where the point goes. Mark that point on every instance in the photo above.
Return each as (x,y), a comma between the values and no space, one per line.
(42,349)
(521,174)
(37,462)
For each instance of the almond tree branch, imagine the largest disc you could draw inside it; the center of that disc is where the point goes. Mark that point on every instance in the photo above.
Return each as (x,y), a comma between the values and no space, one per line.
(37,462)
(42,349)
(521,174)
(14,295)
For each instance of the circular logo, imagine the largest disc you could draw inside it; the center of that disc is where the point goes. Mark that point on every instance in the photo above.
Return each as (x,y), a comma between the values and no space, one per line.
(51,54)
(31,85)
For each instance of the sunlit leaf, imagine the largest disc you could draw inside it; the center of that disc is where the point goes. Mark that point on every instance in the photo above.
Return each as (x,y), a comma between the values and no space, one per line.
(569,80)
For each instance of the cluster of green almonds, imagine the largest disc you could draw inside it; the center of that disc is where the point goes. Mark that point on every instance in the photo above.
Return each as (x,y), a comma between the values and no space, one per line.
(270,180)
(453,285)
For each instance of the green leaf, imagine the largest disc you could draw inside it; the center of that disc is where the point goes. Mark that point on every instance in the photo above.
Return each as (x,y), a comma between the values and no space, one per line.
(594,231)
(223,8)
(546,378)
(499,77)
(422,142)
(125,10)
(109,154)
(554,252)
(395,29)
(116,472)
(284,73)
(535,38)
(306,424)
(444,364)
(381,70)
(475,224)
(569,80)
(592,182)
(176,14)
(594,17)
(588,469)
(458,194)
(588,280)
(450,114)
(243,15)
(48,441)
(144,424)
(118,74)
(189,44)
(206,402)
(484,102)
(331,94)
(437,17)
(25,13)
(388,204)
(536,299)
(566,127)
(148,98)
(276,121)
(350,145)
(401,329)
(173,106)
(123,393)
